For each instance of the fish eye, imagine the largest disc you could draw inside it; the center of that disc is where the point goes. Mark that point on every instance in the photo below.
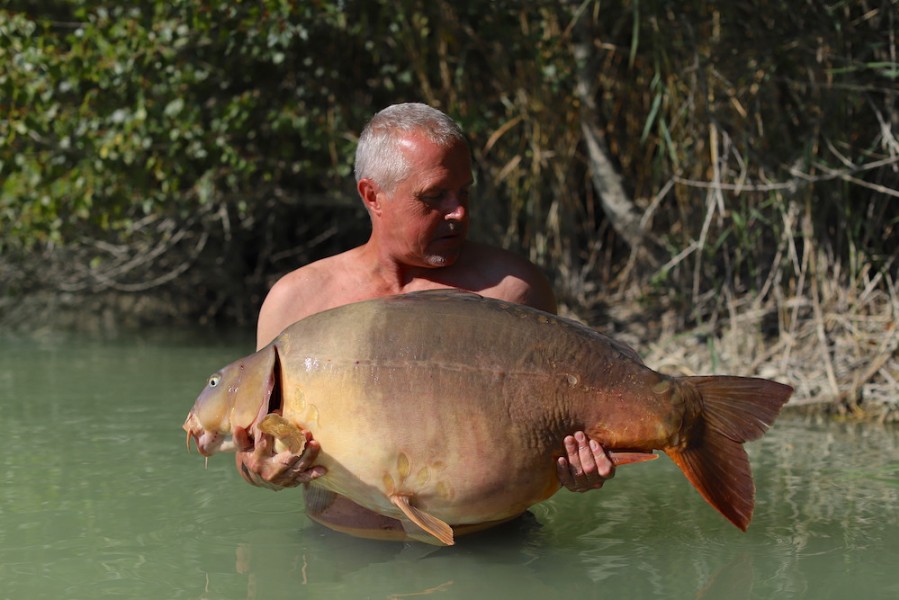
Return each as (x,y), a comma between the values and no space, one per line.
(214,380)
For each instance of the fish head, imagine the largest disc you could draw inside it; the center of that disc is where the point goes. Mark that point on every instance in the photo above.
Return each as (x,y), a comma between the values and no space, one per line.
(234,398)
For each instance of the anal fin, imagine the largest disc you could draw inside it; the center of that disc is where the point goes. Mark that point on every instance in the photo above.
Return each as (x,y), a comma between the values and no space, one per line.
(429,523)
(629,458)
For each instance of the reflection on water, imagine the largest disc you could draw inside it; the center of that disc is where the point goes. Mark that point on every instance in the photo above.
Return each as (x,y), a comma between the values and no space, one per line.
(99,498)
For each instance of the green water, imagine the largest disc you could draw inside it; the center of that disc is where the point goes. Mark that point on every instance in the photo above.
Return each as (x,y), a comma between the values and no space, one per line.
(99,498)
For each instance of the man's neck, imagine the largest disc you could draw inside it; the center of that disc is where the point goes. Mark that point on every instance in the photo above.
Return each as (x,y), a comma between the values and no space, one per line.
(390,276)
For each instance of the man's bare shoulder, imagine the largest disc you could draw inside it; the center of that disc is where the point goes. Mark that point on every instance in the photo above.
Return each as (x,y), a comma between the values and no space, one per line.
(494,255)
(302,292)
(304,285)
(509,276)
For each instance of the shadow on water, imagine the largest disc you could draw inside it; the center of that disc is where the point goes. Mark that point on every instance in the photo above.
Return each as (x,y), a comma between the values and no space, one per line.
(99,498)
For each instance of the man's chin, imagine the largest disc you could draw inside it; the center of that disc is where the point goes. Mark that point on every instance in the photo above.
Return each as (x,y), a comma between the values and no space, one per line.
(440,260)
(444,252)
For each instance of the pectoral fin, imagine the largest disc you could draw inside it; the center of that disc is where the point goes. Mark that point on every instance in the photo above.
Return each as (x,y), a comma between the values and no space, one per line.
(431,524)
(282,429)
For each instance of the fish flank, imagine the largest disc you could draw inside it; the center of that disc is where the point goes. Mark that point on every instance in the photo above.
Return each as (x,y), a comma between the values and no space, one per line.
(402,465)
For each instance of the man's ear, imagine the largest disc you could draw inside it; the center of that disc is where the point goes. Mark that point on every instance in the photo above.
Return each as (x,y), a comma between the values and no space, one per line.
(369,191)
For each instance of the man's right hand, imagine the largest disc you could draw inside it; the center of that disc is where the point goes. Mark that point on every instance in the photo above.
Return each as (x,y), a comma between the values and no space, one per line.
(260,466)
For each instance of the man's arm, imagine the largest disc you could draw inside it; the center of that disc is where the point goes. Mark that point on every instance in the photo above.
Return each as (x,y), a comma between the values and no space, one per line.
(256,459)
(279,309)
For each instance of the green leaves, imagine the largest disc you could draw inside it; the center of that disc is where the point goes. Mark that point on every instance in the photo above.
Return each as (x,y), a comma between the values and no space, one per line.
(111,113)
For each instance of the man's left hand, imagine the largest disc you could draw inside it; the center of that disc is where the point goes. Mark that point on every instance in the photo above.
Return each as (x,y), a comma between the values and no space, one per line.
(587,466)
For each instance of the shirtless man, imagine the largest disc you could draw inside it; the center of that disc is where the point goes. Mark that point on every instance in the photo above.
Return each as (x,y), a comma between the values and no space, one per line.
(413,173)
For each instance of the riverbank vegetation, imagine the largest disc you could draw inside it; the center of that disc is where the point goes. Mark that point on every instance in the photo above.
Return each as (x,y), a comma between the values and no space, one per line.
(716,183)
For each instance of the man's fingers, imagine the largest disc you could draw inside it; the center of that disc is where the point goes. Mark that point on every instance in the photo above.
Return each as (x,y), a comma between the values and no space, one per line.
(585,456)
(310,453)
(586,467)
(571,450)
(564,473)
(242,439)
(259,466)
(605,468)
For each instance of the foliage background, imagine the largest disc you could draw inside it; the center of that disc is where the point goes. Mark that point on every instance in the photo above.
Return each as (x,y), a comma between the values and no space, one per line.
(711,167)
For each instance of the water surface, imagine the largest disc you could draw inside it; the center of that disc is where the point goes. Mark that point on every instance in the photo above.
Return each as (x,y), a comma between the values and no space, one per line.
(99,498)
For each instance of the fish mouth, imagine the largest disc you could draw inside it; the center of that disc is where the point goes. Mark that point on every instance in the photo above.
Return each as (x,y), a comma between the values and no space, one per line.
(206,442)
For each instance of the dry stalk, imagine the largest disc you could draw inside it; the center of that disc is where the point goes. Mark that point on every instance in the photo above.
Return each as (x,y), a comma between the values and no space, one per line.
(858,335)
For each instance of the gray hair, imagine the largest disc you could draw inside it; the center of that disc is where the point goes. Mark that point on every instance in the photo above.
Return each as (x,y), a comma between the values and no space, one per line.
(378,156)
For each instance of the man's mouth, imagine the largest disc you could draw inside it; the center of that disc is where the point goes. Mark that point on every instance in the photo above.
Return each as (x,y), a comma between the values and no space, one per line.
(452,234)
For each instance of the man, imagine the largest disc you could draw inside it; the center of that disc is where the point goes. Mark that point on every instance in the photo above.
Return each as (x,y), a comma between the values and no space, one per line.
(414,175)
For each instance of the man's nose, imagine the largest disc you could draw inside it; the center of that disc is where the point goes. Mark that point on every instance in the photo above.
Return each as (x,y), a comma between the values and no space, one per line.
(455,208)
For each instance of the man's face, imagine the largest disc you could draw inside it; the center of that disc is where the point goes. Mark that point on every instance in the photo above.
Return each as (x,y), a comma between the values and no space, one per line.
(425,219)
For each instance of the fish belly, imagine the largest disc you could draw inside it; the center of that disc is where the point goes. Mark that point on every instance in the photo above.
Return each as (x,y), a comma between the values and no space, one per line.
(452,456)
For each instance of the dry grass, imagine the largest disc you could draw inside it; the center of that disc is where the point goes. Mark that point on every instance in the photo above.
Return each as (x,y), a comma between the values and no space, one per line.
(839,353)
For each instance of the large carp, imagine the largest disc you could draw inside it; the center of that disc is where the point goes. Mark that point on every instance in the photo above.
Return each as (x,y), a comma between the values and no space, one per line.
(446,409)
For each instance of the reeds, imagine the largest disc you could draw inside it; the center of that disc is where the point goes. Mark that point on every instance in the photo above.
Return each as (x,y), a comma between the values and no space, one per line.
(758,146)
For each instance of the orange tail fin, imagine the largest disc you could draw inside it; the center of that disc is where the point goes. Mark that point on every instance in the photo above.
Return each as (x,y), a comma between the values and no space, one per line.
(734,410)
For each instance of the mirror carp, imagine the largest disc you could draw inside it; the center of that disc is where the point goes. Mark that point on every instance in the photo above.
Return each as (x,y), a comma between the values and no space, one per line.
(444,408)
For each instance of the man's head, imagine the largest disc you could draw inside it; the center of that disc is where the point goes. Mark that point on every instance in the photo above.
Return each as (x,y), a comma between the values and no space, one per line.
(413,171)
(379,155)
